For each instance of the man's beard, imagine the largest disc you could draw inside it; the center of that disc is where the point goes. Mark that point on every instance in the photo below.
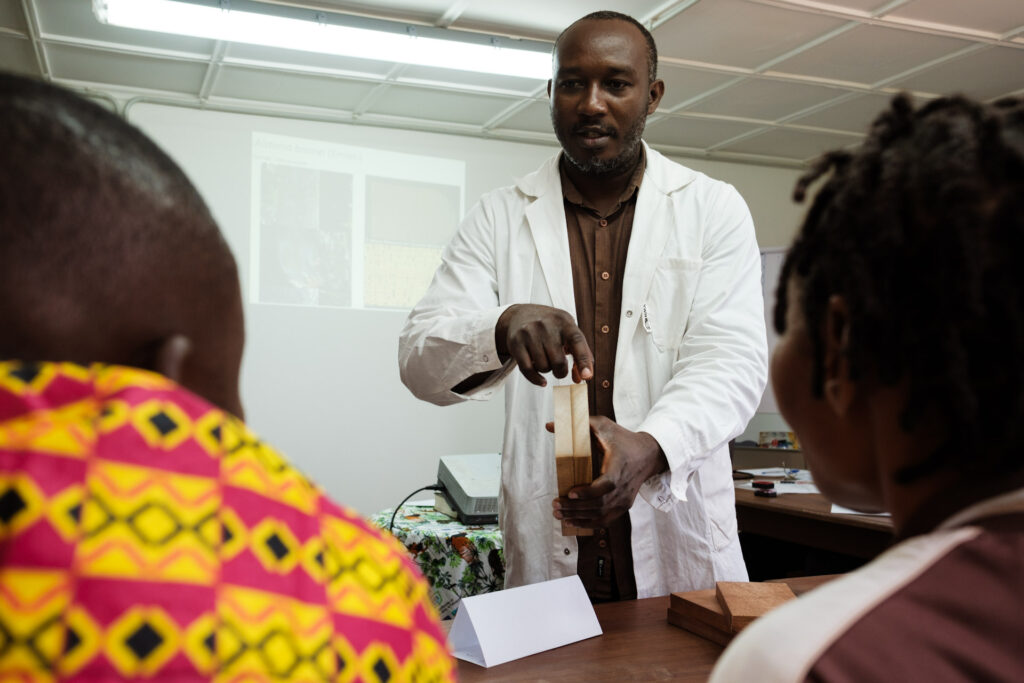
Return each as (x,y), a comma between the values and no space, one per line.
(606,167)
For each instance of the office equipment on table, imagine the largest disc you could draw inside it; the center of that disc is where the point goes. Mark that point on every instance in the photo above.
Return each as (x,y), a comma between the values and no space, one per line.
(471,485)
(573,465)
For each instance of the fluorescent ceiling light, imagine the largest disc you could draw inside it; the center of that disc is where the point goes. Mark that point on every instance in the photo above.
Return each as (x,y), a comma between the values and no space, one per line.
(242,21)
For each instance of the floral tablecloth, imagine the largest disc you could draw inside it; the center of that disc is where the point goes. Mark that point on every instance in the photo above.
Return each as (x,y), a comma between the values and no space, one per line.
(458,560)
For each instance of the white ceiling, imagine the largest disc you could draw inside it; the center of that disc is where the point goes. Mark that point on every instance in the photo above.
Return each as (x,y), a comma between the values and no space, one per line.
(762,81)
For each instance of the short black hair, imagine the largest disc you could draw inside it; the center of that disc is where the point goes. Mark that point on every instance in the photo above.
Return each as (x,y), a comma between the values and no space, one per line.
(921,230)
(99,228)
(607,15)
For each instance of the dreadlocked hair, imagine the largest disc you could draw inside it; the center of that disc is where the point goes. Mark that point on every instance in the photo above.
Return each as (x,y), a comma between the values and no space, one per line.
(921,231)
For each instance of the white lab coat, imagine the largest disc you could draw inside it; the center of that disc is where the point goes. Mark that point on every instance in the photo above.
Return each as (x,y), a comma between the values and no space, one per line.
(690,367)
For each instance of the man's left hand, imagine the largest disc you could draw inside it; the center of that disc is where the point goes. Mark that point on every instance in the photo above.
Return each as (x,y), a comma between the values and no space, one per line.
(630,459)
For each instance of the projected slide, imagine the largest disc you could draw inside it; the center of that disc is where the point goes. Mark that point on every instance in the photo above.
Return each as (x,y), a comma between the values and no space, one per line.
(339,225)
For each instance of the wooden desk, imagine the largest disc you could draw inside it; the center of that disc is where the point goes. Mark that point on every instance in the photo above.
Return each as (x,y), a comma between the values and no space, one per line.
(806,519)
(638,644)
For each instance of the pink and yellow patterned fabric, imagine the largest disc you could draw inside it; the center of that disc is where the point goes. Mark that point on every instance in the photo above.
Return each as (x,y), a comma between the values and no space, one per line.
(146,534)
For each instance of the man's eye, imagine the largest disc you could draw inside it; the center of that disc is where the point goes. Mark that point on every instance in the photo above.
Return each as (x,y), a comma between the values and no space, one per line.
(617,85)
(570,85)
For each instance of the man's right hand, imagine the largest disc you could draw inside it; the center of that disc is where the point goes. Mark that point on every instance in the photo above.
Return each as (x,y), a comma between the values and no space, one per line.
(538,338)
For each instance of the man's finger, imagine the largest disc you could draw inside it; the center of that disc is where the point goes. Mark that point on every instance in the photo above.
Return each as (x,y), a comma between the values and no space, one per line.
(525,364)
(583,359)
(601,486)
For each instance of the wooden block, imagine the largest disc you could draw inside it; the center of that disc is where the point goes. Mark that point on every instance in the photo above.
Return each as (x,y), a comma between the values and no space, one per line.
(583,469)
(699,628)
(570,530)
(580,419)
(563,421)
(744,602)
(565,469)
(702,606)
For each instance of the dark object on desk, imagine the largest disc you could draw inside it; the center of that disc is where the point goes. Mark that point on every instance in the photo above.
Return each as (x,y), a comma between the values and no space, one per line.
(739,476)
(766,493)
(761,484)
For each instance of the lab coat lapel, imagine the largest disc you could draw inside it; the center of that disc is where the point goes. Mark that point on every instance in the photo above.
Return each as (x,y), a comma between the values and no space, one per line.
(652,224)
(546,218)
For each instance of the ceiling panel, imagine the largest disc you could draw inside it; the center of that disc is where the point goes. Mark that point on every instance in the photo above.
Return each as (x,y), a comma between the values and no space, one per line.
(535,118)
(854,115)
(765,99)
(540,19)
(17,55)
(423,11)
(309,91)
(311,60)
(860,5)
(436,105)
(67,18)
(869,54)
(996,16)
(76,64)
(738,33)
(691,132)
(470,79)
(782,142)
(12,16)
(682,84)
(984,74)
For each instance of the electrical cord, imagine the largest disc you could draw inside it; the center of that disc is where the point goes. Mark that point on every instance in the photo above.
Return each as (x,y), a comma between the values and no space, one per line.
(431,487)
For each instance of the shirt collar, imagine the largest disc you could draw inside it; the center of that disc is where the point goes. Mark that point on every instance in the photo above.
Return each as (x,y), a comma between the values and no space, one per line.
(573,196)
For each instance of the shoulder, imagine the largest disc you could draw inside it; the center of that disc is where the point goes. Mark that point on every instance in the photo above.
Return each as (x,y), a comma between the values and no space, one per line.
(890,607)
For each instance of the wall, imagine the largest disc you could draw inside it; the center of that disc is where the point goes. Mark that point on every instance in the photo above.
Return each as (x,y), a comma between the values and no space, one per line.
(322,383)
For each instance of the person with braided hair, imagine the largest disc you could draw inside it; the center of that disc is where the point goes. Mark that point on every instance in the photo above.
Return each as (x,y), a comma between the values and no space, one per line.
(900,365)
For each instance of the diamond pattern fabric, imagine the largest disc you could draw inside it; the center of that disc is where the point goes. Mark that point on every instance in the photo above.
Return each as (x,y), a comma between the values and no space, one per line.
(146,534)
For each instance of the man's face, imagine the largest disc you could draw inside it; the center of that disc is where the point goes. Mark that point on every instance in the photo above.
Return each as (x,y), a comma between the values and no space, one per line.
(601,95)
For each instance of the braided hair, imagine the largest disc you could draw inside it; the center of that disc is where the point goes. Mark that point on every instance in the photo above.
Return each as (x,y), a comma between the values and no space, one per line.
(921,231)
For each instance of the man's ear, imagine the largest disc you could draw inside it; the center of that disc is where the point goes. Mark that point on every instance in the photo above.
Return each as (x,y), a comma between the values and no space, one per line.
(655,93)
(549,88)
(840,390)
(170,356)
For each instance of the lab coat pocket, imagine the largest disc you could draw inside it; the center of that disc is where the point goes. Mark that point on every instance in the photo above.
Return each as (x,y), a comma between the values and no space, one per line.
(667,309)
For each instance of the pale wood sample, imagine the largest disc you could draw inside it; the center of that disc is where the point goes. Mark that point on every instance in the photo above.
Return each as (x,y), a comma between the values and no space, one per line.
(573,465)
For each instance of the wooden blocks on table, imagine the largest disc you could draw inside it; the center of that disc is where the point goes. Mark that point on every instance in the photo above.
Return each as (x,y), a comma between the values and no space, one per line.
(721,612)
(572,444)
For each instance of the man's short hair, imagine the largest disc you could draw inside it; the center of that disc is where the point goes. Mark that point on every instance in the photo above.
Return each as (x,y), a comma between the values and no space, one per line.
(609,15)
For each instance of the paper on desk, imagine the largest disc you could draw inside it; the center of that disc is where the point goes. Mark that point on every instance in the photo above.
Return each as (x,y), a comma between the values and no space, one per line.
(421,503)
(801,486)
(840,510)
(495,628)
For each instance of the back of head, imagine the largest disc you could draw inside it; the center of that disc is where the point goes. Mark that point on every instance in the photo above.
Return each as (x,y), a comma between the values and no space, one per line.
(106,249)
(921,231)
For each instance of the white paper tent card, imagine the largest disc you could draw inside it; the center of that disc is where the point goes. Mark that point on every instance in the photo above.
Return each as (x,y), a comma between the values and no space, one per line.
(495,628)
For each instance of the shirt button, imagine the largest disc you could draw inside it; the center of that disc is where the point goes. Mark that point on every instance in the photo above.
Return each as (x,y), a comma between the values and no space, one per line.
(629,314)
(603,543)
(603,223)
(605,329)
(486,358)
(566,551)
(602,531)
(605,275)
(605,384)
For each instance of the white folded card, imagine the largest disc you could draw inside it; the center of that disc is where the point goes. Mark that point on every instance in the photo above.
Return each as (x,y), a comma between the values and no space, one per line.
(495,628)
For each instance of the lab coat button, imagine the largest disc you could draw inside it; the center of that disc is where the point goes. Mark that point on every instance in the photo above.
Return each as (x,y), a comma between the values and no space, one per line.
(566,551)
(629,314)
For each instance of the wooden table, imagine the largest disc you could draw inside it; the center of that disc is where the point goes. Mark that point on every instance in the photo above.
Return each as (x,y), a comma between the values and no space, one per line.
(638,644)
(806,519)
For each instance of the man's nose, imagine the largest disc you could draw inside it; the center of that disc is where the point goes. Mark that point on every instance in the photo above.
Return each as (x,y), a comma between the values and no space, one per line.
(592,103)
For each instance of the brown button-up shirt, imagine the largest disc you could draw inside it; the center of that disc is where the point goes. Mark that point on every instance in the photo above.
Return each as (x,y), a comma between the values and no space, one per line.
(598,244)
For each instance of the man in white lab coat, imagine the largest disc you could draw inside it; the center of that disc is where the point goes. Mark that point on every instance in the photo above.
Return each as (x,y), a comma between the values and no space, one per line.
(645,272)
